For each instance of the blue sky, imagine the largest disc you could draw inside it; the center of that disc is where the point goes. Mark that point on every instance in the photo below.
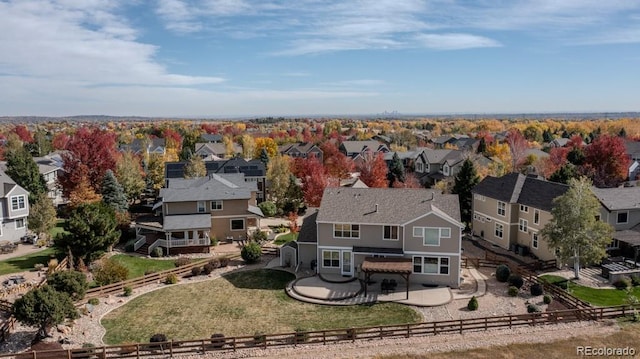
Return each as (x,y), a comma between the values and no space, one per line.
(230,58)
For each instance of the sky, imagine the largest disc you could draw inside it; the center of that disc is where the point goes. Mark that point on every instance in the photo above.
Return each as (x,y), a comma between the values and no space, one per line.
(247,58)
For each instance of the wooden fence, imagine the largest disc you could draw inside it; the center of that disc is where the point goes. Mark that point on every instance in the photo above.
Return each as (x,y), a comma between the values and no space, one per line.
(201,346)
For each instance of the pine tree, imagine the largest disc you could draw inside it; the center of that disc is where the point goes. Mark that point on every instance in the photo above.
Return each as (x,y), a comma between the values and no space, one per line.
(396,170)
(264,157)
(195,167)
(113,194)
(44,308)
(465,180)
(24,171)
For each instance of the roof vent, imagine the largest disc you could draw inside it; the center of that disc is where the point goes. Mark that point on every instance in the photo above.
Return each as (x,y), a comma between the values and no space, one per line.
(376,208)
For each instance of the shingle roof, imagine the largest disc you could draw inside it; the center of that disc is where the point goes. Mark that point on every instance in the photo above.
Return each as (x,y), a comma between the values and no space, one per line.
(211,188)
(6,184)
(618,198)
(538,193)
(518,188)
(359,146)
(500,188)
(211,137)
(439,156)
(309,230)
(253,168)
(384,205)
(187,221)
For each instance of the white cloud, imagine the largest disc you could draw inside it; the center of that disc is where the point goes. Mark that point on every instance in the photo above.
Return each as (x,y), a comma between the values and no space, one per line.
(455,41)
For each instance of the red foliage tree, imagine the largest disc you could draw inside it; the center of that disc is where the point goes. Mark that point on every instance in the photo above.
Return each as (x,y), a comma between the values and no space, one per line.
(293,222)
(23,133)
(172,139)
(210,128)
(314,181)
(557,158)
(606,161)
(90,153)
(60,140)
(518,146)
(373,170)
(336,164)
(410,181)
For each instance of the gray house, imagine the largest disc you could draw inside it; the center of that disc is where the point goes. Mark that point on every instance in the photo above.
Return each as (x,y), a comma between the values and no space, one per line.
(15,209)
(621,209)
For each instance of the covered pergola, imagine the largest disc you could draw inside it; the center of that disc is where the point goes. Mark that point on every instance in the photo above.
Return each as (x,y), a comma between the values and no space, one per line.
(401,266)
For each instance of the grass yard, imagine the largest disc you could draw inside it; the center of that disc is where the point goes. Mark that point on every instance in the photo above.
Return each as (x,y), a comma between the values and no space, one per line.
(595,296)
(285,238)
(138,265)
(238,304)
(57,229)
(25,263)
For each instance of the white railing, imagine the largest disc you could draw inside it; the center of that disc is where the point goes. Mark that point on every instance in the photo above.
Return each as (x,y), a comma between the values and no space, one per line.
(157,243)
(139,242)
(181,242)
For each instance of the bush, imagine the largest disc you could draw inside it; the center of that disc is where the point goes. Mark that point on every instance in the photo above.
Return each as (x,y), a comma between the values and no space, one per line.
(157,252)
(224,261)
(207,269)
(622,283)
(351,333)
(259,338)
(547,299)
(73,283)
(109,271)
(171,278)
(218,341)
(214,241)
(536,289)
(260,236)
(251,252)
(502,273)
(130,246)
(182,261)
(157,338)
(301,335)
(513,291)
(532,308)
(215,263)
(127,291)
(635,280)
(562,285)
(94,301)
(268,208)
(516,281)
(473,304)
(195,271)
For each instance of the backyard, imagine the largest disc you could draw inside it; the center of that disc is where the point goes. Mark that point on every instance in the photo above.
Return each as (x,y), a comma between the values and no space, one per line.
(26,262)
(596,296)
(238,304)
(137,266)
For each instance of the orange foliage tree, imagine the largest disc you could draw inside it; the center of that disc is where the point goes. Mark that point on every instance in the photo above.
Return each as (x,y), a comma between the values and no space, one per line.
(373,170)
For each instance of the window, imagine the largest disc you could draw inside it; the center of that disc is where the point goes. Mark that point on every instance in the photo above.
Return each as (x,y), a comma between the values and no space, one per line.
(201,207)
(20,223)
(479,197)
(523,226)
(216,205)
(614,244)
(524,208)
(499,230)
(346,231)
(445,170)
(502,208)
(597,217)
(431,265)
(331,259)
(18,203)
(237,224)
(534,241)
(623,217)
(419,167)
(444,265)
(431,235)
(390,233)
(536,216)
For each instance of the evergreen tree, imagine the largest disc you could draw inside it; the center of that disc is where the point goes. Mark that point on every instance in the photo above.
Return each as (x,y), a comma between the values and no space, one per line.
(113,193)
(547,136)
(564,174)
(465,180)
(294,195)
(482,146)
(396,170)
(195,167)
(622,133)
(44,308)
(42,216)
(264,157)
(24,171)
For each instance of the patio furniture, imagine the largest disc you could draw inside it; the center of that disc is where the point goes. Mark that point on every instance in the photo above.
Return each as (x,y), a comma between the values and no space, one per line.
(384,286)
(393,285)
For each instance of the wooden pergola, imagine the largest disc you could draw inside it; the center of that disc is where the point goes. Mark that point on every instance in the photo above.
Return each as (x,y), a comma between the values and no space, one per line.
(401,266)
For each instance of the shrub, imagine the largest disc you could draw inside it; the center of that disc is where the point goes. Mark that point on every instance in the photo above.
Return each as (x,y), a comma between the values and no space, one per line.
(351,333)
(207,269)
(109,271)
(502,273)
(195,271)
(635,280)
(268,208)
(130,246)
(171,278)
(259,338)
(157,252)
(536,289)
(513,291)
(516,281)
(301,335)
(260,236)
(562,285)
(224,261)
(473,304)
(251,252)
(532,308)
(182,261)
(94,301)
(73,283)
(214,241)
(215,263)
(127,291)
(622,283)
(547,299)
(157,338)
(217,340)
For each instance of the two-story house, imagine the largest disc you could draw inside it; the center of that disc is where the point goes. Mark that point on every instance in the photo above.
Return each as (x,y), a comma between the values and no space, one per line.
(621,209)
(210,151)
(301,150)
(194,210)
(14,207)
(50,169)
(432,166)
(357,149)
(150,145)
(416,226)
(510,211)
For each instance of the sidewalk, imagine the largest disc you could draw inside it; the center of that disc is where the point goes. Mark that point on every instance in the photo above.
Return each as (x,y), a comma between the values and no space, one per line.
(22,250)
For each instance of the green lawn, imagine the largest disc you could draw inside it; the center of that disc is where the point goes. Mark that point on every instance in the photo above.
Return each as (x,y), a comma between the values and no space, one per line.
(285,238)
(595,296)
(59,228)
(238,304)
(138,265)
(25,263)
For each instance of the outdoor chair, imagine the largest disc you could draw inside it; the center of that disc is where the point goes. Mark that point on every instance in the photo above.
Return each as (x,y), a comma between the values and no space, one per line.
(393,285)
(384,286)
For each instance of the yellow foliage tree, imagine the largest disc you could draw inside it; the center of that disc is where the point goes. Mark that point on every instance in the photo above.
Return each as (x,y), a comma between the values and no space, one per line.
(268,144)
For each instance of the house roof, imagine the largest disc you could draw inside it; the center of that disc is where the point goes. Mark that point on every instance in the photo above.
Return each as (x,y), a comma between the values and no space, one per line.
(187,221)
(215,148)
(6,184)
(309,229)
(395,206)
(211,137)
(518,188)
(253,168)
(359,146)
(302,147)
(387,265)
(440,156)
(614,199)
(210,188)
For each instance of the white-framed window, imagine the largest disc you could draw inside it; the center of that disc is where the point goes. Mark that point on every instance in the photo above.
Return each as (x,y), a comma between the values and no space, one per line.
(237,224)
(523,225)
(346,230)
(431,235)
(499,230)
(524,208)
(479,197)
(419,167)
(623,217)
(20,223)
(614,244)
(18,202)
(534,240)
(502,208)
(445,169)
(330,259)
(431,265)
(390,233)
(201,207)
(536,216)
(216,205)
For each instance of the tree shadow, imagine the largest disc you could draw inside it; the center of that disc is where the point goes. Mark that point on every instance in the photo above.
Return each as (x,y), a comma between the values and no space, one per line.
(269,279)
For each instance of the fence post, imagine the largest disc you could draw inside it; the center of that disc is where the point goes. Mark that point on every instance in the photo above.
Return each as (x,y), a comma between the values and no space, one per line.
(434,329)
(69,353)
(171,348)
(204,347)
(234,344)
(533,319)
(486,324)
(324,338)
(408,330)
(138,351)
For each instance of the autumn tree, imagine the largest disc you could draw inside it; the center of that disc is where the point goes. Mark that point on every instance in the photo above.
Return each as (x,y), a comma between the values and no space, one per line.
(42,215)
(373,170)
(155,171)
(113,193)
(248,146)
(607,161)
(190,136)
(24,171)
(130,176)
(83,193)
(173,144)
(60,140)
(229,150)
(336,163)
(23,133)
(314,181)
(518,147)
(574,230)
(266,143)
(279,175)
(195,167)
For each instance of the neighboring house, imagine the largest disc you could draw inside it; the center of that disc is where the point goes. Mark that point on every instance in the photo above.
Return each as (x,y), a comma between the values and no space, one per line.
(254,171)
(353,149)
(509,211)
(149,146)
(559,142)
(194,210)
(215,151)
(211,138)
(621,209)
(633,149)
(14,209)
(301,150)
(417,227)
(432,166)
(50,169)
